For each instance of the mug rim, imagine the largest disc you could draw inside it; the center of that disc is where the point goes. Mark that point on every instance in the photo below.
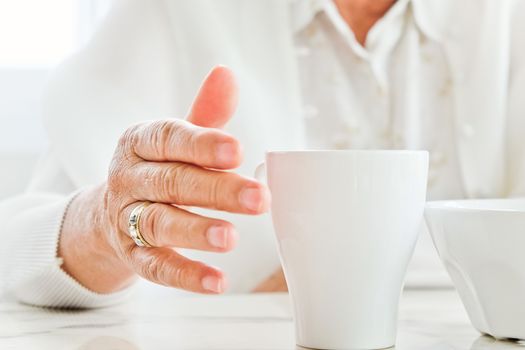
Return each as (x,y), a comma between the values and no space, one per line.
(347,151)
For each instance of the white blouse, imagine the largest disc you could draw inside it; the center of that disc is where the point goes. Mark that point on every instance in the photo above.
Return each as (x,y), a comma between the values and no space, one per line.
(355,97)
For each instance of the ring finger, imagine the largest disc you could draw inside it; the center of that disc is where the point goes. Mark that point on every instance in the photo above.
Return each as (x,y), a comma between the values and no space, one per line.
(164,225)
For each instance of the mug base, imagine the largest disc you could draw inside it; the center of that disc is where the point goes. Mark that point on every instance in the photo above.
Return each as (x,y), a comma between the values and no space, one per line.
(302,347)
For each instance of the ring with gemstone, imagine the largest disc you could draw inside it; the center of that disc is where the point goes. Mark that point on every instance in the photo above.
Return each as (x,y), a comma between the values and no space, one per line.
(134,225)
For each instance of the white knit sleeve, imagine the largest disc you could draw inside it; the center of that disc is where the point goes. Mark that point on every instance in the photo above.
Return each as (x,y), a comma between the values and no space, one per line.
(88,96)
(29,266)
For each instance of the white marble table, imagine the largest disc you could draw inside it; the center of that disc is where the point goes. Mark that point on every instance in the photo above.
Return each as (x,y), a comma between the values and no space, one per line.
(429,320)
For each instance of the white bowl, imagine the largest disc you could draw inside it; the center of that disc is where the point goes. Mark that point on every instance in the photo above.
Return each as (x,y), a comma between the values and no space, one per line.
(482,245)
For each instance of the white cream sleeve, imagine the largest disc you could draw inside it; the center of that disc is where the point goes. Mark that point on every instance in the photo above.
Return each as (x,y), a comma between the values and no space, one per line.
(30,270)
(124,75)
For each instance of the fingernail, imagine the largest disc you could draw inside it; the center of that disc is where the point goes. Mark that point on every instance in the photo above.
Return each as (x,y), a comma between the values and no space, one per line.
(212,284)
(218,236)
(254,198)
(226,152)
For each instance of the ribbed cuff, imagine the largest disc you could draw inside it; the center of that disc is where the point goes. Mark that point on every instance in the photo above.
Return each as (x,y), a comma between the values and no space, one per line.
(35,274)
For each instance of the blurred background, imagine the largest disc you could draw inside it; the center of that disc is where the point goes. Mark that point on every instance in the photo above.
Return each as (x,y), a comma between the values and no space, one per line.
(35,36)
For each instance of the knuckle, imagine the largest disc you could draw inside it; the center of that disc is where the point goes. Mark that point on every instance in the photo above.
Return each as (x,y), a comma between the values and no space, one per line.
(184,275)
(217,184)
(167,135)
(166,182)
(149,175)
(152,269)
(179,136)
(178,181)
(128,139)
(160,136)
(200,143)
(186,141)
(152,225)
(193,144)
(186,232)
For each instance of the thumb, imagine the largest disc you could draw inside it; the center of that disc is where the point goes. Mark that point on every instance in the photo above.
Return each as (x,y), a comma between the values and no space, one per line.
(216,100)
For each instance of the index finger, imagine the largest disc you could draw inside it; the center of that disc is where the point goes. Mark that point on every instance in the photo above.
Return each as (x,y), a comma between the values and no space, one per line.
(177,140)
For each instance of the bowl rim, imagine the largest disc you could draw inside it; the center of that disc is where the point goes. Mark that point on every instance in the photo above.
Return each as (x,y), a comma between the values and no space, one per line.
(460,205)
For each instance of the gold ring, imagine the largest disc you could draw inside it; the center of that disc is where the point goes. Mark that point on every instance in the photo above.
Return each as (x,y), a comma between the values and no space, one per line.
(134,225)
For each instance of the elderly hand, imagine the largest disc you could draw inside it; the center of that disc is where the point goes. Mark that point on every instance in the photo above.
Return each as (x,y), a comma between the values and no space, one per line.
(170,163)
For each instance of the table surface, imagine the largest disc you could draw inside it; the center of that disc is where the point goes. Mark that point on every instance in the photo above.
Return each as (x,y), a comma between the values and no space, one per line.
(429,320)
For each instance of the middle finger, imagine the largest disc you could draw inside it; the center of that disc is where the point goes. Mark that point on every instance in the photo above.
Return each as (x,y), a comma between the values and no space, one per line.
(190,185)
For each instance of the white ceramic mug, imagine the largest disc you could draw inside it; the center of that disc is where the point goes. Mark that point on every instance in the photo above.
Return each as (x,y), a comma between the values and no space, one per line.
(346,223)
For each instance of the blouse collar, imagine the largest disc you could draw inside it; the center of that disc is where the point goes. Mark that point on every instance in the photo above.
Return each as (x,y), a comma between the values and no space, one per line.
(428,14)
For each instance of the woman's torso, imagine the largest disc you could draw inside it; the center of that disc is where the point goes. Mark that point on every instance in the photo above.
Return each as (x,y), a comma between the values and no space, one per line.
(420,93)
